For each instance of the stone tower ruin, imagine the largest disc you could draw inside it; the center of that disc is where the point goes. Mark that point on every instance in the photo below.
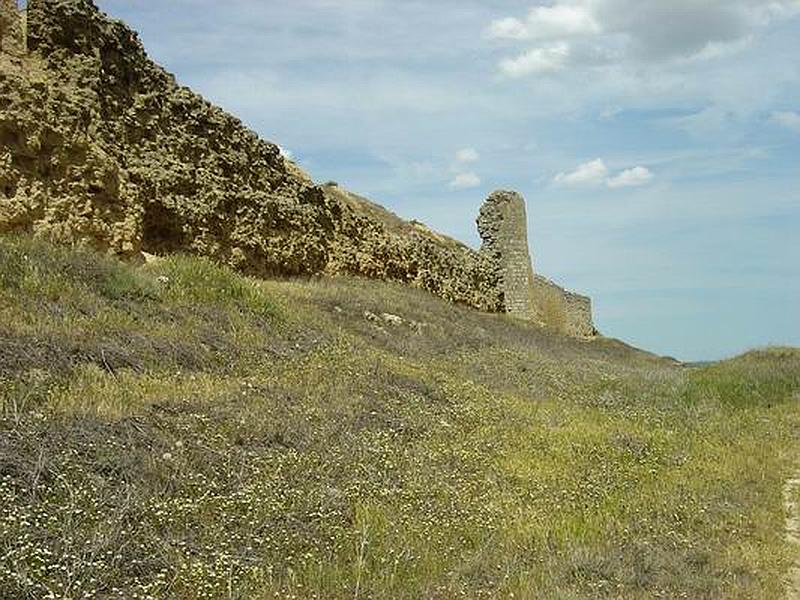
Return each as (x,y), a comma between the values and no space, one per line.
(503,226)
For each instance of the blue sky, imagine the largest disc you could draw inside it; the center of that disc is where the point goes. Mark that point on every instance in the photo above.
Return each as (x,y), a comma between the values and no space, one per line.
(657,143)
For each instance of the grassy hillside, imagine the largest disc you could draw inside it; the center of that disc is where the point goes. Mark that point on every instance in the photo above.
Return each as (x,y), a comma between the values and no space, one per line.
(176,430)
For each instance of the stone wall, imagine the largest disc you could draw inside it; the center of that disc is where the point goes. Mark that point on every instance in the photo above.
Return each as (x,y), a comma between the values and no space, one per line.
(12,34)
(561,310)
(580,322)
(372,242)
(100,147)
(103,148)
(503,226)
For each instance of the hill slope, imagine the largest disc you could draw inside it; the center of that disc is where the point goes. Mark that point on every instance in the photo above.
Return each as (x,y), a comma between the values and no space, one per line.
(177,430)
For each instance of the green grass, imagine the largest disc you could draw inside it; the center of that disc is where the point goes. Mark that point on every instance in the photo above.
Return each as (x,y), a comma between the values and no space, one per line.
(176,430)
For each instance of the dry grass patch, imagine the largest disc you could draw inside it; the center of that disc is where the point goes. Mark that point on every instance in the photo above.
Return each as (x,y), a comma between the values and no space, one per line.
(178,431)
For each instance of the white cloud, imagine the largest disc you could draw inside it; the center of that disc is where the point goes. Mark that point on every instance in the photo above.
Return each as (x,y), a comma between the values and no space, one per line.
(467,155)
(788,119)
(549,59)
(464,181)
(508,29)
(588,174)
(595,173)
(716,50)
(634,32)
(546,22)
(631,178)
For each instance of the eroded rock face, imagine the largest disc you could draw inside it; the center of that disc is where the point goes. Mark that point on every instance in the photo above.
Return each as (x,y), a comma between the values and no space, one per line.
(12,40)
(99,146)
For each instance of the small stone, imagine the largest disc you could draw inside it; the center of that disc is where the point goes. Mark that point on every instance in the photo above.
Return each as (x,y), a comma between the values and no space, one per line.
(392,319)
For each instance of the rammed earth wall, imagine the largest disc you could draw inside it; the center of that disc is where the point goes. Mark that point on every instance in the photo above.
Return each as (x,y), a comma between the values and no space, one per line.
(99,146)
(12,29)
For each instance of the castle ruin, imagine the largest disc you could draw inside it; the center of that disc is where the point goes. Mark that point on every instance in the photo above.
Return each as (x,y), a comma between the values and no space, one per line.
(113,161)
(503,226)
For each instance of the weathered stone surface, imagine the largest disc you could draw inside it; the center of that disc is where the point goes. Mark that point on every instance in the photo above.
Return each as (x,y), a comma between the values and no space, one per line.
(560,309)
(99,146)
(12,35)
(372,242)
(503,226)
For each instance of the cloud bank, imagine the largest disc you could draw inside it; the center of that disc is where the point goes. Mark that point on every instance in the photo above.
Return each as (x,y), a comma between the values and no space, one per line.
(573,34)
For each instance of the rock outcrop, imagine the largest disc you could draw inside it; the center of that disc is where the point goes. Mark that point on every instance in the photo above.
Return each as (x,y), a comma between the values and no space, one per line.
(100,147)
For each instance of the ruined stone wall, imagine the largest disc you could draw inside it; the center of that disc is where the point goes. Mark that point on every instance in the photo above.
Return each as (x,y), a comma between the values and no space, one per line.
(12,29)
(373,243)
(561,310)
(503,226)
(99,146)
(580,322)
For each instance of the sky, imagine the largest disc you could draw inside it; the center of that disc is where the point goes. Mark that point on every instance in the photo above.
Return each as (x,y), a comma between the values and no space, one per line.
(657,143)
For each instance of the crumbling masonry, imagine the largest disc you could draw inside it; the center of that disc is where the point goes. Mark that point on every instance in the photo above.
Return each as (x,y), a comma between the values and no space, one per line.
(503,226)
(12,29)
(100,147)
